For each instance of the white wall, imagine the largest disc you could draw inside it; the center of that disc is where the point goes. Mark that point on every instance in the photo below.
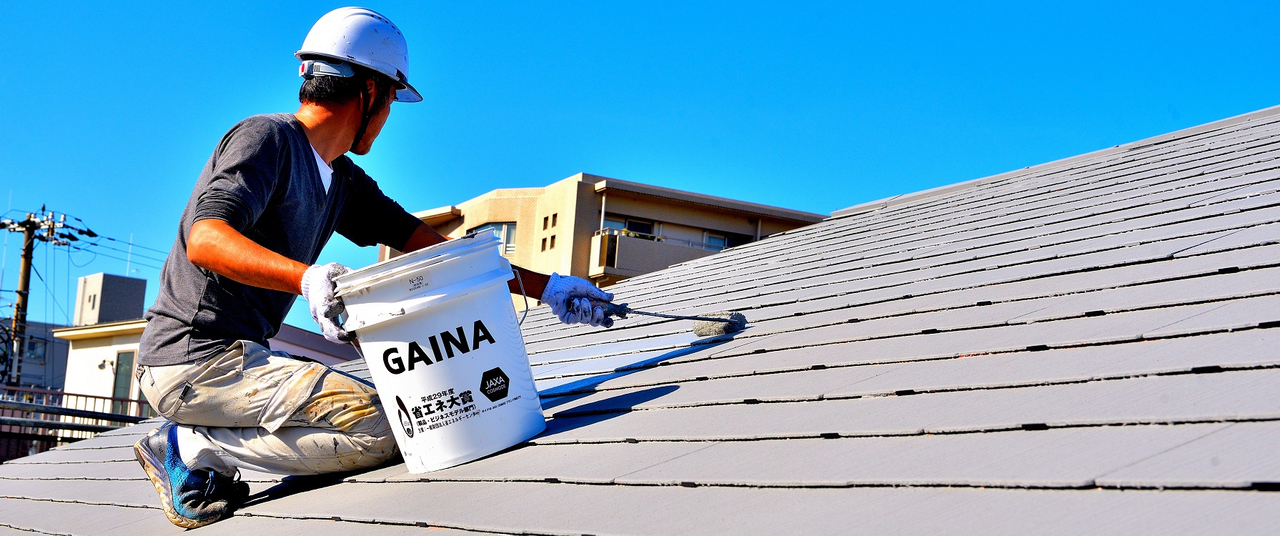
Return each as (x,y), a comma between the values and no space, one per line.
(83,375)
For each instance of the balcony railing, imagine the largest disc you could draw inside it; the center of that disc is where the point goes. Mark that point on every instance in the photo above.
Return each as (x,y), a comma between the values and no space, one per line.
(617,254)
(53,416)
(658,238)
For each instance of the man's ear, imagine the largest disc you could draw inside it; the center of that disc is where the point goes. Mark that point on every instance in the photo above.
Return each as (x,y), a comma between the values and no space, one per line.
(371,91)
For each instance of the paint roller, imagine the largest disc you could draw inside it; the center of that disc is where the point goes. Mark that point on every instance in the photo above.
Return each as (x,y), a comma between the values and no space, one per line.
(717,323)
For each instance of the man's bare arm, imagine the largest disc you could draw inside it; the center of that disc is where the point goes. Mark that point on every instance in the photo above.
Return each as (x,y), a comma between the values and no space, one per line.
(215,246)
(422,237)
(534,283)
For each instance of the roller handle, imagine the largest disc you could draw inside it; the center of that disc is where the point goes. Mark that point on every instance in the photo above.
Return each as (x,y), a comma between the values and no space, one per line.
(619,310)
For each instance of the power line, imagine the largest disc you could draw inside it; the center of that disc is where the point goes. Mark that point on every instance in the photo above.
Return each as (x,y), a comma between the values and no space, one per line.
(90,261)
(78,248)
(52,298)
(85,231)
(48,291)
(136,245)
(4,255)
(132,254)
(34,228)
(67,287)
(54,229)
(86,226)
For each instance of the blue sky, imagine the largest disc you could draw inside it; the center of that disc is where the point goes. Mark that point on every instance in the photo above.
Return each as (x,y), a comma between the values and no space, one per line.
(112,110)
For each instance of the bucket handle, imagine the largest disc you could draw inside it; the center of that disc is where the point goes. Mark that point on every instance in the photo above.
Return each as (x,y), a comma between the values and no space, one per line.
(456,290)
(355,344)
(520,280)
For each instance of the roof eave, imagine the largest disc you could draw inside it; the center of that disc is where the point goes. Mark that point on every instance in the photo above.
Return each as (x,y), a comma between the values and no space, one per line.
(109,329)
(605,185)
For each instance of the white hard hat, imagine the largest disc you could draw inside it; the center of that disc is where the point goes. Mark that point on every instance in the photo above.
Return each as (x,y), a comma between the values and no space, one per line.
(365,38)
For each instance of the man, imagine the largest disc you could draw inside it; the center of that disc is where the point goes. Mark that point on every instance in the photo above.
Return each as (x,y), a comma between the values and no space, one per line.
(274,191)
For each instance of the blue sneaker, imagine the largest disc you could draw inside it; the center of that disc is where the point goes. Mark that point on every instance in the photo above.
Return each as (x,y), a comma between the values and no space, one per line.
(191,498)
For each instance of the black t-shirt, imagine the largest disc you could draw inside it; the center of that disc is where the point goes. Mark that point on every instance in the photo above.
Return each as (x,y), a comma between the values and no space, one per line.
(263,180)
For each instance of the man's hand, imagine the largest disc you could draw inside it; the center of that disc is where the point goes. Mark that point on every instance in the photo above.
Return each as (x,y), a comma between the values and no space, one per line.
(318,288)
(571,298)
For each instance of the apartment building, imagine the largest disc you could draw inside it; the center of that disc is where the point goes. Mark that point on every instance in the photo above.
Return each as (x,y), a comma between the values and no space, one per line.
(607,229)
(42,361)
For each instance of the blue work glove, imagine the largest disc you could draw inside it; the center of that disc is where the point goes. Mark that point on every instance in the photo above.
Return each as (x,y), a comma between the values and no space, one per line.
(318,288)
(571,299)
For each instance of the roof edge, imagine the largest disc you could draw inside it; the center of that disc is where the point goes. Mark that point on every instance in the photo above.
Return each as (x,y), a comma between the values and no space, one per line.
(123,327)
(606,184)
(1146,142)
(314,341)
(439,214)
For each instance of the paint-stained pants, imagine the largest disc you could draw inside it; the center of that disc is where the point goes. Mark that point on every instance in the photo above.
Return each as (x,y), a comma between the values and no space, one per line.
(255,409)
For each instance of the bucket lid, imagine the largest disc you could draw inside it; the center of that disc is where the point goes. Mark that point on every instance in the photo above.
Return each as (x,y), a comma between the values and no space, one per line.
(416,260)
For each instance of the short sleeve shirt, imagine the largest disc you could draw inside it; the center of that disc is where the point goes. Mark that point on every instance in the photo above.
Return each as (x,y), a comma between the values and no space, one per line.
(264,181)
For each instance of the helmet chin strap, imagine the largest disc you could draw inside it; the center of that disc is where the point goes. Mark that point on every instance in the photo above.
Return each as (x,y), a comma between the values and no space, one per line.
(367,110)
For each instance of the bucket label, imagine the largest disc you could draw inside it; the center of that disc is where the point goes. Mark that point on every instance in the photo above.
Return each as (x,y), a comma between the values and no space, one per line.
(438,410)
(447,344)
(417,282)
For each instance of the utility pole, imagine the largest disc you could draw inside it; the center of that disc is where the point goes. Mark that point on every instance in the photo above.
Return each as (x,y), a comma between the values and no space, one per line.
(35,227)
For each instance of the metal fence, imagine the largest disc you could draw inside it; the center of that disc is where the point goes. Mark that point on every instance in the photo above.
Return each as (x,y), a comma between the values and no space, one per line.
(35,420)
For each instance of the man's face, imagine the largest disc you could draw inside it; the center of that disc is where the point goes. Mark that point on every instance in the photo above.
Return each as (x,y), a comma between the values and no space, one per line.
(376,122)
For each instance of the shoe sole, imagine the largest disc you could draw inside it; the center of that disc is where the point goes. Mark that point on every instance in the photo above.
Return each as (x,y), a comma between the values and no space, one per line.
(159,475)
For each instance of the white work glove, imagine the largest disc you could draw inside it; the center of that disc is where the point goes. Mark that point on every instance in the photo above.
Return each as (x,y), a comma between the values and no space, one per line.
(317,288)
(570,300)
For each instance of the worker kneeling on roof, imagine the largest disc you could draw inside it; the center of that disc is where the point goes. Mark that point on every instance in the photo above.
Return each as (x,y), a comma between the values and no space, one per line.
(274,191)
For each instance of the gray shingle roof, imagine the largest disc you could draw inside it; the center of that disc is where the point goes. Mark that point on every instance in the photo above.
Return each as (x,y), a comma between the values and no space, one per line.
(1085,346)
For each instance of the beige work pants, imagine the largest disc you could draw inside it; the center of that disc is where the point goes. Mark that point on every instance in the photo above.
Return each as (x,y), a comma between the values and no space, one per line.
(255,409)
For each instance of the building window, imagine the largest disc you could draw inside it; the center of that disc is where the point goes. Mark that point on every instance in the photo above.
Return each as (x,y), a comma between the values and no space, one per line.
(124,382)
(36,348)
(553,219)
(717,242)
(553,241)
(544,223)
(638,228)
(506,232)
(544,244)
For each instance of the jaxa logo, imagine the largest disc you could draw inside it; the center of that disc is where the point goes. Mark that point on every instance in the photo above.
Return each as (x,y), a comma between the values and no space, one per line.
(443,347)
(494,384)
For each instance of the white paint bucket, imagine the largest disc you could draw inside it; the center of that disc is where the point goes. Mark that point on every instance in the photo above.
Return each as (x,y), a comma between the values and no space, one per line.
(439,333)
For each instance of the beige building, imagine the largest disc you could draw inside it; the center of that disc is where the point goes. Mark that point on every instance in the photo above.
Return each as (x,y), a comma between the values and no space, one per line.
(102,359)
(608,229)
